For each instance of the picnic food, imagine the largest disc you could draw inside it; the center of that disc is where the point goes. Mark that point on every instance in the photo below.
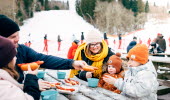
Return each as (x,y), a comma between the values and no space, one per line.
(54,84)
(33,65)
(89,68)
(39,62)
(71,82)
(65,88)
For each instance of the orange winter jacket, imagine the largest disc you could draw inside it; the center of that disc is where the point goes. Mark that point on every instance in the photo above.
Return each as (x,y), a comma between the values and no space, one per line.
(72,50)
(108,86)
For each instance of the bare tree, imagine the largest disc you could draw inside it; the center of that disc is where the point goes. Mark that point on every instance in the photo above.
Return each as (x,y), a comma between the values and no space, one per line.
(113,18)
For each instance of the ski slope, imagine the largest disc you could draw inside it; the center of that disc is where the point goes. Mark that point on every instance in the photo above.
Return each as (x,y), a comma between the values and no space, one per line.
(66,23)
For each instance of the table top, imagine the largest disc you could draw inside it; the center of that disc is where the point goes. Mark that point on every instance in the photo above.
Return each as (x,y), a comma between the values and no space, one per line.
(84,92)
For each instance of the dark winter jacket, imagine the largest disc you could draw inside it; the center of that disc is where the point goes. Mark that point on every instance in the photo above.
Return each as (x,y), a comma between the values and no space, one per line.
(105,36)
(82,74)
(120,36)
(82,36)
(131,45)
(155,49)
(26,55)
(45,37)
(59,39)
(31,86)
(161,42)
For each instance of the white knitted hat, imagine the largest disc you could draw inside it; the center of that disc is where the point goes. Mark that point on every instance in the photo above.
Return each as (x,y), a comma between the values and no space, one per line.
(93,36)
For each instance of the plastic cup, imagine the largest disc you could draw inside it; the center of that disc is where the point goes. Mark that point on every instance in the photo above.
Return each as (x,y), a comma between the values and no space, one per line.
(61,75)
(40,74)
(92,82)
(49,95)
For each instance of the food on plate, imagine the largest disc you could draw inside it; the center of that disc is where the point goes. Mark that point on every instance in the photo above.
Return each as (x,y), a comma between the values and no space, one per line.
(33,65)
(53,84)
(65,88)
(71,82)
(90,68)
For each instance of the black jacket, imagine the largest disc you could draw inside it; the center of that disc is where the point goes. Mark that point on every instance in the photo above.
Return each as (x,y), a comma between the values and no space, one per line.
(131,45)
(27,55)
(31,86)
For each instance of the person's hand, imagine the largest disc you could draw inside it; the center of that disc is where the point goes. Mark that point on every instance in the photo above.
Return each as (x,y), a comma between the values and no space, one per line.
(43,85)
(89,75)
(109,79)
(34,72)
(79,64)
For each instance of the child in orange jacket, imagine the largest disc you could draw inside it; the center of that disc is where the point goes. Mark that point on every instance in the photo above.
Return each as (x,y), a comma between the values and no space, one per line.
(72,49)
(114,69)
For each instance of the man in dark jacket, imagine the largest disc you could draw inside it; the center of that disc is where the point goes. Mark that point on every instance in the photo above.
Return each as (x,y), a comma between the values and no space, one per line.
(161,42)
(155,50)
(10,30)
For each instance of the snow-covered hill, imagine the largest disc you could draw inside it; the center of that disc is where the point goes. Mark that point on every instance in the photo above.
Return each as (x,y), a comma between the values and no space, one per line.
(66,23)
(55,22)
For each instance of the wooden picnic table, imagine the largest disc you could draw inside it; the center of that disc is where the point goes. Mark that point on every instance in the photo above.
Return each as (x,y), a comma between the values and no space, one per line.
(84,92)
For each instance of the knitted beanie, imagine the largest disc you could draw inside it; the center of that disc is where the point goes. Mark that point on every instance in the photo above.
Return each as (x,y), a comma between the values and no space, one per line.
(139,53)
(116,62)
(159,34)
(93,36)
(76,41)
(7,26)
(7,51)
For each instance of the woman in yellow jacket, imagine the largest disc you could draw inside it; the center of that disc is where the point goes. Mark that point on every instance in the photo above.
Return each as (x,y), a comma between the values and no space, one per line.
(94,52)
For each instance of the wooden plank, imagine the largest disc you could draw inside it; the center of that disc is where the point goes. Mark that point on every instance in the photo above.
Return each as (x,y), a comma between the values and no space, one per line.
(164,82)
(163,90)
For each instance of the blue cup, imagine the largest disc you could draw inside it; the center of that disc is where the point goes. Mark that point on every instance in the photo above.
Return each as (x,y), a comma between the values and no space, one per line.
(61,75)
(49,95)
(92,82)
(40,74)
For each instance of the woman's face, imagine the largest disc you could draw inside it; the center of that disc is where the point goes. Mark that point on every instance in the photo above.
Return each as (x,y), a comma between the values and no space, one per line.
(95,47)
(12,63)
(111,69)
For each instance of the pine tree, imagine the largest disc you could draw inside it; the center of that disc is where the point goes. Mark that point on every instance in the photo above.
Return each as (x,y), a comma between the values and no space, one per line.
(68,5)
(46,5)
(107,0)
(85,8)
(126,3)
(134,7)
(78,10)
(147,7)
(141,7)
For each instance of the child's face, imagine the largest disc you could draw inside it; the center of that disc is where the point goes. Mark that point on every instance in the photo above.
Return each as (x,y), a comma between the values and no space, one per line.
(132,63)
(111,69)
(12,63)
